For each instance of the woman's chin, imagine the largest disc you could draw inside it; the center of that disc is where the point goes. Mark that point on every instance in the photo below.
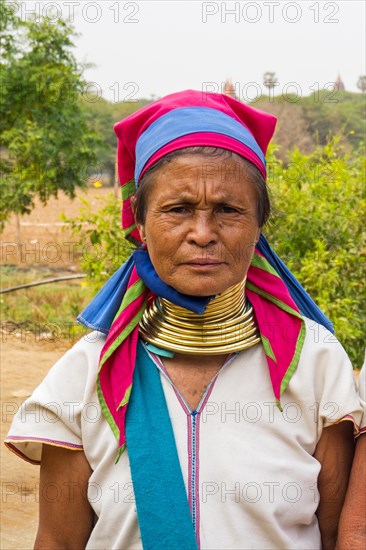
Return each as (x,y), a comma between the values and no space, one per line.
(200,292)
(202,288)
(200,280)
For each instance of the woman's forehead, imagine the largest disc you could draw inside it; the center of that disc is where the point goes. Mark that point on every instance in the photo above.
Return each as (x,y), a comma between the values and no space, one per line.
(202,191)
(197,166)
(195,186)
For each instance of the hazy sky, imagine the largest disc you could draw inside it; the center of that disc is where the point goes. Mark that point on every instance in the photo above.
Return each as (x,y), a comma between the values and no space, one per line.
(141,48)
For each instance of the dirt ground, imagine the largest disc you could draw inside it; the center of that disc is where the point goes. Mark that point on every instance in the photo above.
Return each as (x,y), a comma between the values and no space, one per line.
(24,362)
(25,359)
(42,238)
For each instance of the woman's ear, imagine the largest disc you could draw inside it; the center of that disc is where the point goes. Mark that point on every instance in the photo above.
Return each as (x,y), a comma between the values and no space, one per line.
(140,226)
(141,229)
(133,204)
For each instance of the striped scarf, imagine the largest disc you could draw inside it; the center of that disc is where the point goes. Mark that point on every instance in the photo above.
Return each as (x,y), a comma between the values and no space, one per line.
(280,323)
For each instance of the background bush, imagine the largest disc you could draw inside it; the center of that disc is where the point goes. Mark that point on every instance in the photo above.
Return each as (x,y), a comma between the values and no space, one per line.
(317,228)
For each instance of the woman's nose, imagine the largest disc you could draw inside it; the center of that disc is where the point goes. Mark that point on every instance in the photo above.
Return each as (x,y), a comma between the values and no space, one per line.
(203,230)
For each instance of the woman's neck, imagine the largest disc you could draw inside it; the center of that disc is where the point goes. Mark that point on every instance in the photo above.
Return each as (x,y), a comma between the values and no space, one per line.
(227,325)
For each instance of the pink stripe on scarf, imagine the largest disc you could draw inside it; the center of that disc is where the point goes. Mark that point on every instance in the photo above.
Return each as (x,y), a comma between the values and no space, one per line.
(280,327)
(115,382)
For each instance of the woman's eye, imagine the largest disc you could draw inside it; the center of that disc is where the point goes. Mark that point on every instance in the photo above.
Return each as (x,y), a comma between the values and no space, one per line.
(179,209)
(228,210)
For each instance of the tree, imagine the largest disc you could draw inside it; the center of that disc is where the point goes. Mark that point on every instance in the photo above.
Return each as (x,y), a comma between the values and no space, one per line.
(101,117)
(361,83)
(47,145)
(270,81)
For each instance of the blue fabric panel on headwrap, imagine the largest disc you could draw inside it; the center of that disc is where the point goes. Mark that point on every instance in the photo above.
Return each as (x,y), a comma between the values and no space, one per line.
(101,311)
(304,302)
(147,273)
(161,499)
(190,120)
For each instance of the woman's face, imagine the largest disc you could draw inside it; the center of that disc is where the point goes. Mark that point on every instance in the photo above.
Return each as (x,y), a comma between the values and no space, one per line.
(201,226)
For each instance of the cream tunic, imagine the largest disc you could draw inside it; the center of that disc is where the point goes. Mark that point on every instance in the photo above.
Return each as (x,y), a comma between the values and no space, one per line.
(249,472)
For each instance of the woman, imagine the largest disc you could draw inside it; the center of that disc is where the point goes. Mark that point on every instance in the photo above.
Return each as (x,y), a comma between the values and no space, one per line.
(222,406)
(352,528)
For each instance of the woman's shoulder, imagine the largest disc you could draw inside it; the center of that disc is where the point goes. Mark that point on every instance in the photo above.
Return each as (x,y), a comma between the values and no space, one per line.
(89,343)
(323,344)
(324,360)
(74,374)
(54,413)
(84,354)
(325,374)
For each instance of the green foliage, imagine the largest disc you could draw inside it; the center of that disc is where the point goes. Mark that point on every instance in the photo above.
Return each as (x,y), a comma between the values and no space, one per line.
(101,117)
(50,309)
(317,229)
(337,111)
(47,143)
(100,240)
(318,116)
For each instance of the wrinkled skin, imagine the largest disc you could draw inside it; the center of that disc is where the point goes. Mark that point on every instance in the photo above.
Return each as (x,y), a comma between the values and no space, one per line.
(201,226)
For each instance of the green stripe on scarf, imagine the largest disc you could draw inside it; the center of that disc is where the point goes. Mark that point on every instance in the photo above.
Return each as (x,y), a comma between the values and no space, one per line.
(295,360)
(272,299)
(133,292)
(126,397)
(107,415)
(262,263)
(128,189)
(268,348)
(126,233)
(123,335)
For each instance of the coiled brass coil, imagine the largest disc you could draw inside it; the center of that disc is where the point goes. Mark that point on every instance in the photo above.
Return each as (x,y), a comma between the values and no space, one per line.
(227,325)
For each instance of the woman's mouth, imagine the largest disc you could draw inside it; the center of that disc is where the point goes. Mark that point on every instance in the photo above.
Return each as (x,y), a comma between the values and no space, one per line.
(204,263)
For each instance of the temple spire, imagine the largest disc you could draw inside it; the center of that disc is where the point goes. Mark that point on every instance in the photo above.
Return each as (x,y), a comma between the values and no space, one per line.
(339,84)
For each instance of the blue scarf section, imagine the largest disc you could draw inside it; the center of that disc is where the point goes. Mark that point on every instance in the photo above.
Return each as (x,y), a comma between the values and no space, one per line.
(101,311)
(161,500)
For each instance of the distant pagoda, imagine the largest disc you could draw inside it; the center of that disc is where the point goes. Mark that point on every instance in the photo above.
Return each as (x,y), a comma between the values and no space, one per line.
(229,89)
(339,84)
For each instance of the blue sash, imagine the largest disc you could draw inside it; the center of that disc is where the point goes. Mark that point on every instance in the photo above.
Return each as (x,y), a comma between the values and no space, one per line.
(161,499)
